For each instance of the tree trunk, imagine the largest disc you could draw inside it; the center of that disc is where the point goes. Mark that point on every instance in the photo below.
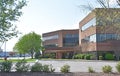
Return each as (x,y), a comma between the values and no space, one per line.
(32,55)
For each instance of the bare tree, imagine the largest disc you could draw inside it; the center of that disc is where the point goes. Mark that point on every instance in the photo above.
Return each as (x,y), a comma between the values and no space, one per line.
(118,1)
(108,16)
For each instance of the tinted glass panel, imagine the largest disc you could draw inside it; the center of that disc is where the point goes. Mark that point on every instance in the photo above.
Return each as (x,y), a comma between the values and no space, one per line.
(71,40)
(51,45)
(89,24)
(101,37)
(50,37)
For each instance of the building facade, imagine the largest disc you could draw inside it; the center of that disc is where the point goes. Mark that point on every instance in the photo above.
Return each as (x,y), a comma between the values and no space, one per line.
(64,43)
(99,32)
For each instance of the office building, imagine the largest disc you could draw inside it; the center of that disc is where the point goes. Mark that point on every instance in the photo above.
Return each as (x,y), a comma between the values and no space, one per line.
(64,43)
(99,32)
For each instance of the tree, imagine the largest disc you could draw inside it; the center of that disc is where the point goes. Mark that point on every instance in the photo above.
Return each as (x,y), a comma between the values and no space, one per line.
(118,1)
(108,16)
(29,43)
(10,11)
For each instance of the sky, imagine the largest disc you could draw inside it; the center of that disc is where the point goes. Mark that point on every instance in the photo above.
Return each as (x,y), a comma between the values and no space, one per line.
(42,16)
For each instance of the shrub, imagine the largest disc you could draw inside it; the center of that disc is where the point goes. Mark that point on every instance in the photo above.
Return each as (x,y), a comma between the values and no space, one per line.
(90,70)
(109,56)
(48,68)
(6,66)
(65,69)
(51,55)
(51,68)
(87,56)
(82,56)
(77,56)
(100,57)
(92,57)
(37,55)
(45,68)
(37,67)
(107,69)
(22,66)
(74,57)
(118,67)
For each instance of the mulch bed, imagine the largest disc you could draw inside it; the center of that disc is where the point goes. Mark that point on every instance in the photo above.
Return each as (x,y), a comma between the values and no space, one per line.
(96,74)
(57,74)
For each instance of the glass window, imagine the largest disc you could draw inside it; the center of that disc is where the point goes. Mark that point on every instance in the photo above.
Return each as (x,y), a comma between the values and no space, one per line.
(71,35)
(68,35)
(76,35)
(89,24)
(71,40)
(50,37)
(101,37)
(93,38)
(51,45)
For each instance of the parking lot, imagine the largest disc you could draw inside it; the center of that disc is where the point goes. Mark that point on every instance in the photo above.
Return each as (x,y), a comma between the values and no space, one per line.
(79,65)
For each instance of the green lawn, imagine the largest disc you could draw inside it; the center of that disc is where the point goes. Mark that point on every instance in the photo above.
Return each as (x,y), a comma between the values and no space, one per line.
(16,60)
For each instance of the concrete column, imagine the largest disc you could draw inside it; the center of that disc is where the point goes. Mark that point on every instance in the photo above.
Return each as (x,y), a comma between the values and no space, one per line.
(80,36)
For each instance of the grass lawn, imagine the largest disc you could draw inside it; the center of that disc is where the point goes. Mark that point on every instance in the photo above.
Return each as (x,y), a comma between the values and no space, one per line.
(16,60)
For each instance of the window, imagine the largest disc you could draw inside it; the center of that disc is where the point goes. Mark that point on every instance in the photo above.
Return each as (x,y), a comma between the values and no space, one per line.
(101,37)
(91,38)
(89,24)
(51,45)
(50,37)
(71,40)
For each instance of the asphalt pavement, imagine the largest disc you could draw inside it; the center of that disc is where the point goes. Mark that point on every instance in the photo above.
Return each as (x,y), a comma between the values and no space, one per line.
(80,65)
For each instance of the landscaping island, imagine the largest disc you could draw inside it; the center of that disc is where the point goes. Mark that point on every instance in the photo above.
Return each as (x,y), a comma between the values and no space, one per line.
(23,68)
(56,74)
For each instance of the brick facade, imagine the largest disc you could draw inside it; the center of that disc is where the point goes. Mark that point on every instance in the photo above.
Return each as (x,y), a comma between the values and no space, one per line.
(106,46)
(60,49)
(92,46)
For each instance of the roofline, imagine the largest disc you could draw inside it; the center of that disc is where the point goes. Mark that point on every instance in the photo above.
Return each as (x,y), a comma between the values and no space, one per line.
(60,30)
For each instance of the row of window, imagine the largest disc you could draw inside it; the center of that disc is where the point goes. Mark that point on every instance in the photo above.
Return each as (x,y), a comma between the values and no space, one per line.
(68,40)
(100,21)
(51,45)
(92,22)
(71,35)
(71,40)
(50,37)
(101,37)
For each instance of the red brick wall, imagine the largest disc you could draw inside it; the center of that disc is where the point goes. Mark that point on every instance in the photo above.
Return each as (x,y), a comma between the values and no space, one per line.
(105,46)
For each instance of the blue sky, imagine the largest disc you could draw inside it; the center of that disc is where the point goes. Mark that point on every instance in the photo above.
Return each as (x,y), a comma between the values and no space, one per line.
(43,16)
